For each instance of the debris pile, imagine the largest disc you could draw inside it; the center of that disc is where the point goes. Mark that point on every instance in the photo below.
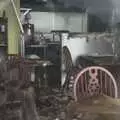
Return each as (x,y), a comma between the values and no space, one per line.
(16,91)
(52,104)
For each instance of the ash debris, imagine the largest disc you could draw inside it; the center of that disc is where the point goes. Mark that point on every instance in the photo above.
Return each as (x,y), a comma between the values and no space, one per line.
(52,104)
(20,101)
(55,105)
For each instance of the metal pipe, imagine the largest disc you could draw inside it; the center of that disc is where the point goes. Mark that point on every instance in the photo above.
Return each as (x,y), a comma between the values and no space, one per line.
(24,9)
(17,15)
(22,46)
(21,29)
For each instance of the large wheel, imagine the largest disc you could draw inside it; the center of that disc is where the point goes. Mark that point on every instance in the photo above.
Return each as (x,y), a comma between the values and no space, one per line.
(92,81)
(67,59)
(66,66)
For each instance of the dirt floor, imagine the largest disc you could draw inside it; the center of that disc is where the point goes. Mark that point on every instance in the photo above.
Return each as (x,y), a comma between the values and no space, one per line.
(53,105)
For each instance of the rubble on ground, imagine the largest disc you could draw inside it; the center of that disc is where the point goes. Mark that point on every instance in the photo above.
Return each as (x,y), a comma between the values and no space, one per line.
(57,106)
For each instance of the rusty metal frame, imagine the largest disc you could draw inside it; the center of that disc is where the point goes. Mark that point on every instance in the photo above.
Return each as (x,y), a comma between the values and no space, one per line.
(96,68)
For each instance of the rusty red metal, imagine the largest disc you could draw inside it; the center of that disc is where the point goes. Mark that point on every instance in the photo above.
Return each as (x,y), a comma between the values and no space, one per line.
(19,70)
(93,81)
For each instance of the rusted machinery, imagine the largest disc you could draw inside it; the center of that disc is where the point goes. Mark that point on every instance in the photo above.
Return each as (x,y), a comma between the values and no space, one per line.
(92,81)
(91,65)
(17,94)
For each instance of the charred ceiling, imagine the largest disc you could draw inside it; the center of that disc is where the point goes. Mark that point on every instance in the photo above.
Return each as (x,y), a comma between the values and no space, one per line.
(50,5)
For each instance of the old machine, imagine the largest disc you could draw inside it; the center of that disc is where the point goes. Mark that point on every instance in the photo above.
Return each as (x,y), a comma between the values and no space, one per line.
(84,65)
(90,74)
(90,64)
(13,92)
